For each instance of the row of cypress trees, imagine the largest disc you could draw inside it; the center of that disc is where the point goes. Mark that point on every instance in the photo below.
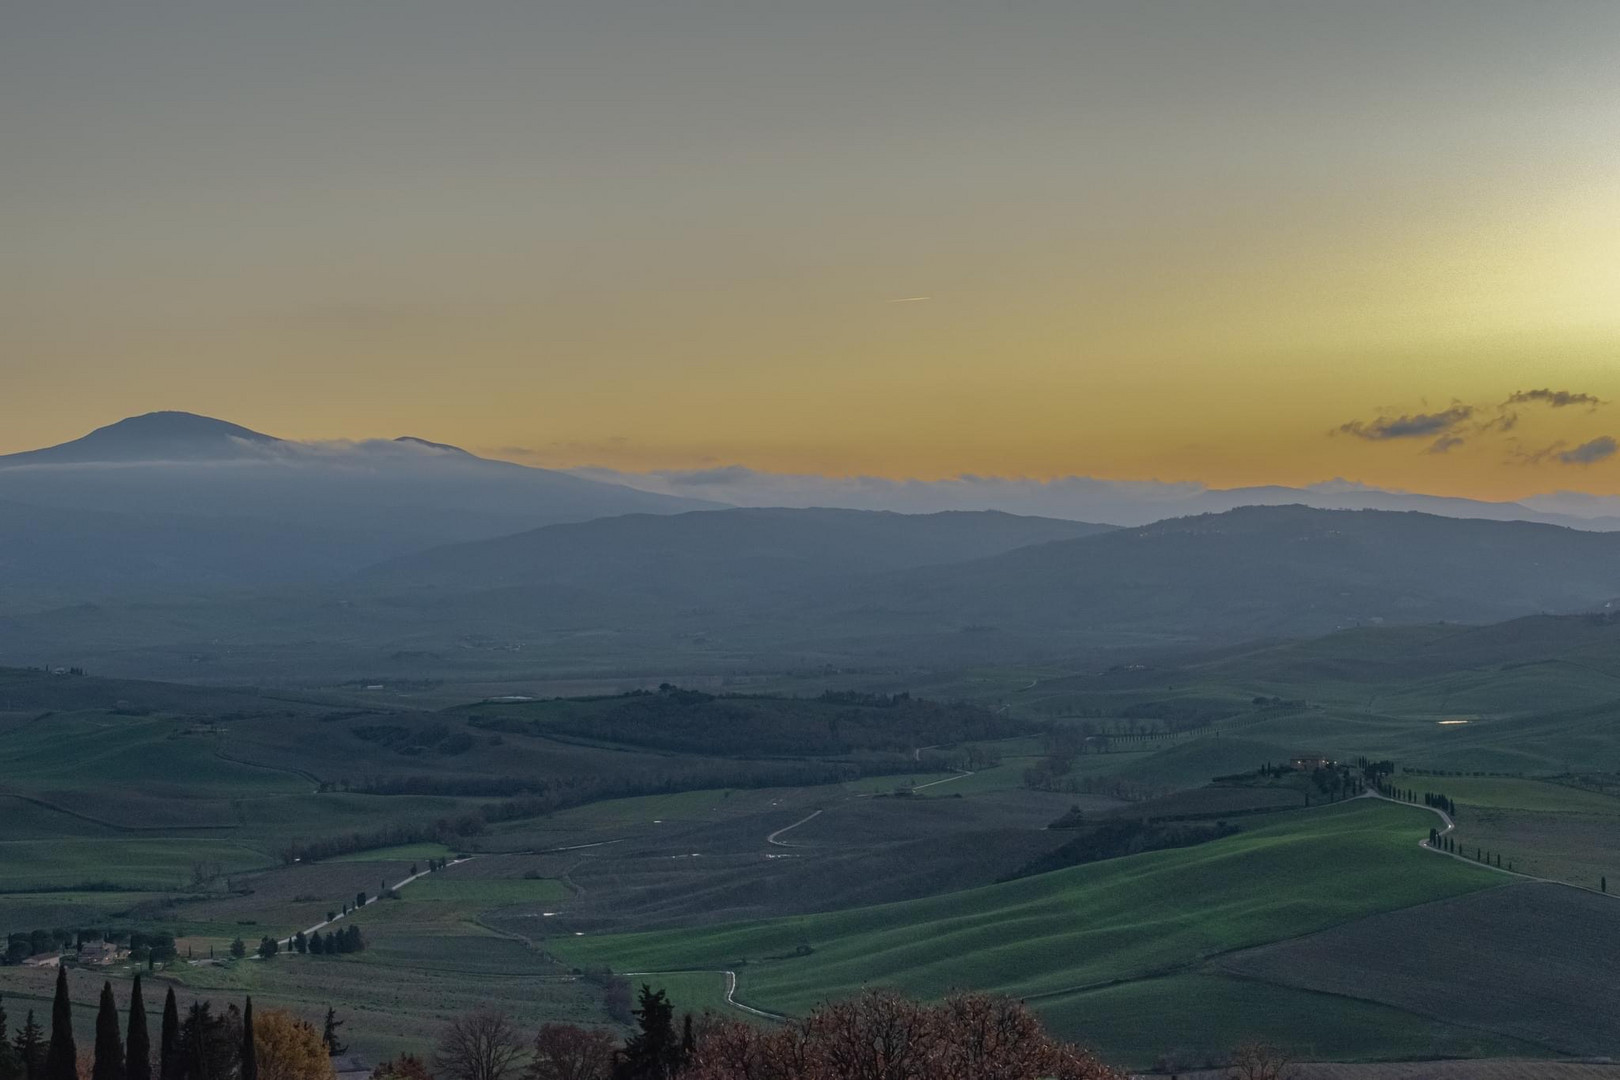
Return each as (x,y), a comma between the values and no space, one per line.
(192,1050)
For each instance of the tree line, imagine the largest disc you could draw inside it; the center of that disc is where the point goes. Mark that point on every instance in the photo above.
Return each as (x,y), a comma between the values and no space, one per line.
(201,1045)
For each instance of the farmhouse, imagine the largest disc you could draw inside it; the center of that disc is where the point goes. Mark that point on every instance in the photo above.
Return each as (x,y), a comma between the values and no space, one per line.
(101,953)
(1310,762)
(43,960)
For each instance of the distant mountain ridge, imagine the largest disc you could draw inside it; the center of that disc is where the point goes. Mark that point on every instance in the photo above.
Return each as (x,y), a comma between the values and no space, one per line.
(1275,571)
(188,501)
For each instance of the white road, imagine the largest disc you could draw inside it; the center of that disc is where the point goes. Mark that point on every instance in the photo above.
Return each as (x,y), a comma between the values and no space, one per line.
(1450,825)
(731,988)
(772,839)
(287,941)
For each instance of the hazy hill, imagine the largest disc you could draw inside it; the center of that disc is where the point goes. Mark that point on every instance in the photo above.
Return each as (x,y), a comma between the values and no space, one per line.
(1127,503)
(238,507)
(1273,571)
(708,554)
(751,590)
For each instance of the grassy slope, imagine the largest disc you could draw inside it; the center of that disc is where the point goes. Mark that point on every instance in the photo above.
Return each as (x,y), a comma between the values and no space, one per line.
(1077,928)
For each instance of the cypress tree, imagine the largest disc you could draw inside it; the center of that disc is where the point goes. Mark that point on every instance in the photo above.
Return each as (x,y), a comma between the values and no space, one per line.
(10,1067)
(30,1047)
(170,1064)
(62,1056)
(329,1034)
(250,1055)
(137,1043)
(655,1051)
(109,1064)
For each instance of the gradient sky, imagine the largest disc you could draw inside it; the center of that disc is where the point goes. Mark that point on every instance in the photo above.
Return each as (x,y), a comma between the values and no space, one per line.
(1159,240)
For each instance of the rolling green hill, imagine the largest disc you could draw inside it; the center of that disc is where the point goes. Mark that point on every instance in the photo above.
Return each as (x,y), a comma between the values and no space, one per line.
(1077,929)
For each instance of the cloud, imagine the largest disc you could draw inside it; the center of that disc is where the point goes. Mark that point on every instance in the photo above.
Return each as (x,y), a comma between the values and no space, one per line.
(1448,427)
(1558,399)
(1589,453)
(1409,426)
(1078,498)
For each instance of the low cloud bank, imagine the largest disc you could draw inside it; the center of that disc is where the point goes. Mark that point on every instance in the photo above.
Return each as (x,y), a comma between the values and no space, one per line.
(1078,498)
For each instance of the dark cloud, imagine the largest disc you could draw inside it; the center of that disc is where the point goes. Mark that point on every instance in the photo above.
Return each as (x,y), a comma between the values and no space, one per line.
(1589,453)
(1558,399)
(1445,444)
(1409,426)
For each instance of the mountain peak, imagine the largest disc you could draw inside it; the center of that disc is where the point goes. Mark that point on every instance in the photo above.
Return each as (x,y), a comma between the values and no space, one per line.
(412,440)
(154,436)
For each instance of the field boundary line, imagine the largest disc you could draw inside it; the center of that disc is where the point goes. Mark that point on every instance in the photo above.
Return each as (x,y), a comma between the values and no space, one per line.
(82,816)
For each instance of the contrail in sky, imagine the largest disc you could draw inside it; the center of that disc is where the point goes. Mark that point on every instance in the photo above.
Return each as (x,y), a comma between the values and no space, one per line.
(909,299)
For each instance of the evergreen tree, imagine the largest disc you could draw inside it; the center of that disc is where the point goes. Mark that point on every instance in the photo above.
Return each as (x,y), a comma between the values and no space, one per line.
(170,1065)
(300,943)
(315,946)
(62,1056)
(30,1047)
(329,1034)
(654,1052)
(109,1064)
(238,948)
(249,1053)
(137,1043)
(209,1049)
(10,1066)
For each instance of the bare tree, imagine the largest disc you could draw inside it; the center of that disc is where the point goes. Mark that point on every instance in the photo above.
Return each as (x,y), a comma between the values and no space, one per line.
(567,1052)
(481,1045)
(881,1036)
(1260,1061)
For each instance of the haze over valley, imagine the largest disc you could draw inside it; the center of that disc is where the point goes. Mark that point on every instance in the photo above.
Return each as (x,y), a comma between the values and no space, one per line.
(882,541)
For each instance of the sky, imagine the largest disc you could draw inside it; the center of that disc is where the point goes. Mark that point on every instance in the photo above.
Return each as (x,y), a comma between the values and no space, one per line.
(1218,241)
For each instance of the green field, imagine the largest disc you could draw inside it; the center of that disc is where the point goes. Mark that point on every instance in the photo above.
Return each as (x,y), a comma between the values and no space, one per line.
(1507,793)
(918,892)
(144,863)
(1078,928)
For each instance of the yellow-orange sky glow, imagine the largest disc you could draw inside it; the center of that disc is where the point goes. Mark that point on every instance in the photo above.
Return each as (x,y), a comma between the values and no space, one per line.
(1172,241)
